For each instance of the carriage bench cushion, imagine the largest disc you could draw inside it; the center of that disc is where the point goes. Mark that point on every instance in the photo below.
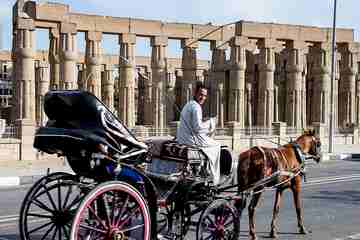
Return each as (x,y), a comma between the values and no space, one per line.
(176,151)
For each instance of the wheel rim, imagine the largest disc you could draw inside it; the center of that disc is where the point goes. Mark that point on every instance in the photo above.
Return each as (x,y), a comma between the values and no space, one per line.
(219,221)
(112,212)
(49,208)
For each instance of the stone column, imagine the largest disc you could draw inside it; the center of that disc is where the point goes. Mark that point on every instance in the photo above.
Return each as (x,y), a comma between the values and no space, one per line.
(189,65)
(170,91)
(69,56)
(348,67)
(294,68)
(248,102)
(25,69)
(336,90)
(303,93)
(265,107)
(321,85)
(42,84)
(357,98)
(24,52)
(158,69)
(148,111)
(54,58)
(81,82)
(237,80)
(93,59)
(218,99)
(127,65)
(250,88)
(107,87)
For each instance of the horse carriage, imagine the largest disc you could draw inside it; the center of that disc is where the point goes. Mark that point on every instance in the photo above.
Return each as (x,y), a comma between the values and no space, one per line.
(127,189)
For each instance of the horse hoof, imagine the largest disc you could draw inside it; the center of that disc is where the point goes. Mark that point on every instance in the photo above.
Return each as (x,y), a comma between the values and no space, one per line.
(273,234)
(302,230)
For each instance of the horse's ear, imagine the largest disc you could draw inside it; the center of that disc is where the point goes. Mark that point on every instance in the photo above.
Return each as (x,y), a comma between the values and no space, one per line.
(313,132)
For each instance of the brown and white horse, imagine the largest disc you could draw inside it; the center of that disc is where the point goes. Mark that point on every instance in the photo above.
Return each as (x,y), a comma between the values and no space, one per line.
(285,162)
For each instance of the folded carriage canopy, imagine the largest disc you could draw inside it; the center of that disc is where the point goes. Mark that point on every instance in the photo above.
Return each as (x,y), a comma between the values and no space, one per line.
(80,110)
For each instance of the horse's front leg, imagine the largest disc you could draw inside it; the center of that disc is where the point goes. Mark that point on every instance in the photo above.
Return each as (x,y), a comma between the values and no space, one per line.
(296,189)
(251,209)
(276,210)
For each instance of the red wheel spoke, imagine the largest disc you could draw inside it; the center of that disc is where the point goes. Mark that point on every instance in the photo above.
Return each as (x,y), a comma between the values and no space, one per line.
(97,217)
(132,213)
(122,211)
(87,227)
(133,228)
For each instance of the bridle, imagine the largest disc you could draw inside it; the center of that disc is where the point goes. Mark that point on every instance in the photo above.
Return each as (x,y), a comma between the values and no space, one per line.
(315,148)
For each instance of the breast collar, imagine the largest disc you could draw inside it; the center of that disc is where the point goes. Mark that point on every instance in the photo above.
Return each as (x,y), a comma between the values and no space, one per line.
(300,157)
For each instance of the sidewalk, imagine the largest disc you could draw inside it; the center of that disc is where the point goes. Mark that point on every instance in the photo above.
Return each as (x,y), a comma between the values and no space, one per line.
(15,173)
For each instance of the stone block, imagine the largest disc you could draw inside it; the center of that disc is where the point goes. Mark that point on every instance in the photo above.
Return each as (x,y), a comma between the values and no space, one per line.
(159,41)
(66,27)
(93,36)
(25,23)
(189,42)
(127,38)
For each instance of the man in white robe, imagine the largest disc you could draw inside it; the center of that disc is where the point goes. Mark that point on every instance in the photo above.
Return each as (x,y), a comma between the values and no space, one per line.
(193,130)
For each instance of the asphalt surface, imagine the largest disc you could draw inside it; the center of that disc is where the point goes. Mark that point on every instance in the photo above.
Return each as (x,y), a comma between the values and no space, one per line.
(331,198)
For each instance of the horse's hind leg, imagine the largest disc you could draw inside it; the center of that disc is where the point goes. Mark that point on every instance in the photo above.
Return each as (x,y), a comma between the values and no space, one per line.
(277,203)
(251,209)
(296,189)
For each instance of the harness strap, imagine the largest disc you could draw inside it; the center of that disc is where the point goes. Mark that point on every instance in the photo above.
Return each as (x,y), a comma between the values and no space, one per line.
(300,156)
(262,151)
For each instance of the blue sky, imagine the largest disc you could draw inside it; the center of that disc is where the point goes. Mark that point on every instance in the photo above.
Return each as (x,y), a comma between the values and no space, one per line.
(302,12)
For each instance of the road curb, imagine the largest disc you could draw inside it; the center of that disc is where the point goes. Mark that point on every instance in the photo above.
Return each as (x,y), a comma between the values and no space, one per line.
(18,180)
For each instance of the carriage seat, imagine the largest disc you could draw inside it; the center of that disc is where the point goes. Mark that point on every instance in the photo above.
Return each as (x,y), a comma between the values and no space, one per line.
(168,148)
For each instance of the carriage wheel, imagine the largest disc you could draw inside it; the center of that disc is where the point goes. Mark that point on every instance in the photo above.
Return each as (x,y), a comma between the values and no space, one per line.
(112,210)
(49,206)
(219,220)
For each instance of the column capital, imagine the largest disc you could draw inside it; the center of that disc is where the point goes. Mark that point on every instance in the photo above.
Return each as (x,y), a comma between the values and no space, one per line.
(189,42)
(127,38)
(293,44)
(323,45)
(159,41)
(352,47)
(68,28)
(25,24)
(54,32)
(93,36)
(221,45)
(268,43)
(109,67)
(239,41)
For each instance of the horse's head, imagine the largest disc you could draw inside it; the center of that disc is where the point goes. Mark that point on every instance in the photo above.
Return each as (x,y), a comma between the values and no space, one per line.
(310,144)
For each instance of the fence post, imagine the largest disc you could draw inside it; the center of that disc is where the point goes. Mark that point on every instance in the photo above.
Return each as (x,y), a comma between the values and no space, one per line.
(25,131)
(355,135)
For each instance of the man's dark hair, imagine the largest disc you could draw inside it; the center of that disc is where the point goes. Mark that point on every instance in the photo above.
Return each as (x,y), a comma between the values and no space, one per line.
(199,85)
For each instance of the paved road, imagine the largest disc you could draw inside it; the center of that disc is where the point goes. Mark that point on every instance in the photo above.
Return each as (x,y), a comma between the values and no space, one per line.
(331,200)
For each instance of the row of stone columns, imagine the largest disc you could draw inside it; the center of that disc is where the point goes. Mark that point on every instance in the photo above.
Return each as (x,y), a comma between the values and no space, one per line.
(232,95)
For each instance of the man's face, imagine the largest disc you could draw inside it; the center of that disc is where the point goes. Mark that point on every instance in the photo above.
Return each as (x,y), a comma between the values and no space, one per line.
(201,96)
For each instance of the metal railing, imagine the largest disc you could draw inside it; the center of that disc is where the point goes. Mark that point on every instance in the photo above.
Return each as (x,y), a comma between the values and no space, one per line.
(9,132)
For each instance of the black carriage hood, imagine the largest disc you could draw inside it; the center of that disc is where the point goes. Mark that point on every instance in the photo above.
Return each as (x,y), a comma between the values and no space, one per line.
(75,109)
